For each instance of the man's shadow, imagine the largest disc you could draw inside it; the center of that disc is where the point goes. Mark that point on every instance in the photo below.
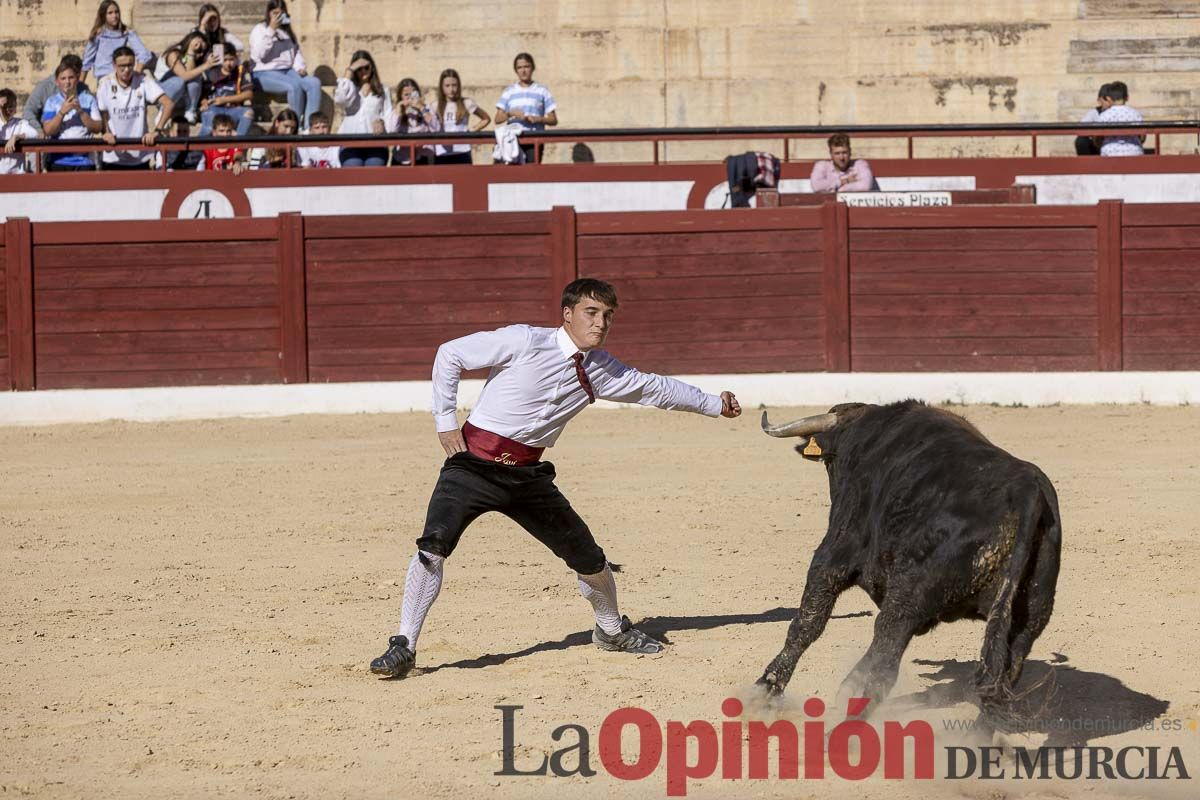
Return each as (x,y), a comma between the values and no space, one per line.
(660,628)
(1072,706)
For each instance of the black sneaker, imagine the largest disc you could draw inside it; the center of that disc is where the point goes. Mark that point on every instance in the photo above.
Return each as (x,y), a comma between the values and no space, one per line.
(629,640)
(398,661)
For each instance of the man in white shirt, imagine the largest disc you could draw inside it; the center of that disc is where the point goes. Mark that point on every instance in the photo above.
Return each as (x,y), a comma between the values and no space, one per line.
(122,98)
(540,378)
(1118,112)
(12,130)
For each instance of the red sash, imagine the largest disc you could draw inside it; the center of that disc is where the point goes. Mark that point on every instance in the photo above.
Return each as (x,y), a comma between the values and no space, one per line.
(502,450)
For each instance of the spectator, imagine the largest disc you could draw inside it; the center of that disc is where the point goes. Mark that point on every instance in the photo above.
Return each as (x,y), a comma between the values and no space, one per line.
(528,104)
(45,89)
(109,33)
(1117,113)
(70,113)
(182,69)
(454,112)
(320,157)
(366,105)
(122,99)
(227,90)
(279,67)
(1086,145)
(286,123)
(411,115)
(217,159)
(12,130)
(219,39)
(841,173)
(183,160)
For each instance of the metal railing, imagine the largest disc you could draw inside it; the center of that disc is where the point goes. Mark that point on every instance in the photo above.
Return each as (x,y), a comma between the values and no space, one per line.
(655,137)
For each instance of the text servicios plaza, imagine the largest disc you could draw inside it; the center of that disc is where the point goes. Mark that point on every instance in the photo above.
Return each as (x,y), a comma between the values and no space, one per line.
(851,750)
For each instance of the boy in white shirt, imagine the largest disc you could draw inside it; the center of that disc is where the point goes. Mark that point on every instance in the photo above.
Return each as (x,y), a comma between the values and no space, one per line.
(12,129)
(319,157)
(1118,112)
(122,98)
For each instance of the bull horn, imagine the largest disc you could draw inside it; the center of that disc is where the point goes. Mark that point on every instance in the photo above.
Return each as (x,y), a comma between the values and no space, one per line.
(801,427)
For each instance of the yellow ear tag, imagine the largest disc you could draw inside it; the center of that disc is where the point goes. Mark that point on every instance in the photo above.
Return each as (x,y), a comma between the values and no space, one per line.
(812,448)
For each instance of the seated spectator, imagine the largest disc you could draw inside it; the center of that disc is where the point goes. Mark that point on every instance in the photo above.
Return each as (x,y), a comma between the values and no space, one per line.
(454,112)
(122,100)
(70,113)
(411,115)
(182,160)
(182,68)
(1086,145)
(217,159)
(841,173)
(1118,112)
(109,33)
(279,67)
(366,104)
(220,40)
(12,130)
(286,123)
(320,157)
(227,90)
(527,103)
(45,89)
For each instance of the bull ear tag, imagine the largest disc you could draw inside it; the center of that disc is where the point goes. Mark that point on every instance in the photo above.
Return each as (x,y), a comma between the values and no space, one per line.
(812,449)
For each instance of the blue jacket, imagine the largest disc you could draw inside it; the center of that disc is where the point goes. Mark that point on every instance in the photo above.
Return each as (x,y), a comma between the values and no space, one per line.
(98,55)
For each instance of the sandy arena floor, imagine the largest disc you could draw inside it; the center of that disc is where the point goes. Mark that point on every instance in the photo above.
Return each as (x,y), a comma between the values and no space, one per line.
(189,608)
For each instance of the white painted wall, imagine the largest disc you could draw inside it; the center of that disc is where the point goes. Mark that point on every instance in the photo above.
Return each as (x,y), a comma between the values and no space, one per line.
(782,389)
(590,195)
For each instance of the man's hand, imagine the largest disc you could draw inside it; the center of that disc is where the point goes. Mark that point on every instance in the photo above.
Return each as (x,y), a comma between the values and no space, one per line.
(452,442)
(109,137)
(729,405)
(149,138)
(11,145)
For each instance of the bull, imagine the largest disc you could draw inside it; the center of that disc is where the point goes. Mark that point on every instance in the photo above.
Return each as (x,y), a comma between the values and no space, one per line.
(935,524)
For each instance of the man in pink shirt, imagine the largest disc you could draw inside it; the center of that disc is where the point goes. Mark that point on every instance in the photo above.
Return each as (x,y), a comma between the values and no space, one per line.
(841,173)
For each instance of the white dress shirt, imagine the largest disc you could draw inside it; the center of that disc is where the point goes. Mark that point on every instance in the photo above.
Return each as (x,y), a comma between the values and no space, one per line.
(532,391)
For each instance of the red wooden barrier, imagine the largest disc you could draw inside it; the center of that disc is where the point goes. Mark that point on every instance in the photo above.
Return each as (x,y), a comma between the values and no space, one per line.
(1160,297)
(973,289)
(383,292)
(712,291)
(156,303)
(787,289)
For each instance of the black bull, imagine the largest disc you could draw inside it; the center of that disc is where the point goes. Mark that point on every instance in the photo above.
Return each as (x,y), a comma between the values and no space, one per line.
(936,524)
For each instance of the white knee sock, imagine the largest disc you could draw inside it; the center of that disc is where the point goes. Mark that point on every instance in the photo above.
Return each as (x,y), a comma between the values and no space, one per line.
(421,588)
(601,591)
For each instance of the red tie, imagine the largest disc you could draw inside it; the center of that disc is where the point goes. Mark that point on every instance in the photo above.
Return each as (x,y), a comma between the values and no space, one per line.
(583,378)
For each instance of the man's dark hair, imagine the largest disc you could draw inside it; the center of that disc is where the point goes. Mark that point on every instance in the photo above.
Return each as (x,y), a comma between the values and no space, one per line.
(123,51)
(70,60)
(589,287)
(1117,91)
(839,140)
(223,121)
(1103,90)
(318,116)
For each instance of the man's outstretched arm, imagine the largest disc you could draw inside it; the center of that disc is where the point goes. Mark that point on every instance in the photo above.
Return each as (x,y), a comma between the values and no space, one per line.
(624,384)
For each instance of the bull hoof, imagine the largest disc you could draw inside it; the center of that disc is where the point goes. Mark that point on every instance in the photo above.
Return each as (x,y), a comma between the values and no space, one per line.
(768,683)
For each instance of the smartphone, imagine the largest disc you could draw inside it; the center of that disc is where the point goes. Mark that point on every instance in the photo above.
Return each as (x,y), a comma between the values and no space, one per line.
(219,51)
(284,19)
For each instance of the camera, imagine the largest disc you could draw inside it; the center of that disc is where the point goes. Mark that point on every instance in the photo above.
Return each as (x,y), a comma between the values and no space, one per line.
(284,19)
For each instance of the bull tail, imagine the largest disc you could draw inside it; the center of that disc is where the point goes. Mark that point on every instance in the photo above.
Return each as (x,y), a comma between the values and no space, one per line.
(994,678)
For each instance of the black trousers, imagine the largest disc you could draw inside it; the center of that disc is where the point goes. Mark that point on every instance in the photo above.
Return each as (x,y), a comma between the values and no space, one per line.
(469,487)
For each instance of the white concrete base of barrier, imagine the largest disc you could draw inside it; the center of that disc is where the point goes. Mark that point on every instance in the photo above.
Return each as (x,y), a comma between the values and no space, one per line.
(779,389)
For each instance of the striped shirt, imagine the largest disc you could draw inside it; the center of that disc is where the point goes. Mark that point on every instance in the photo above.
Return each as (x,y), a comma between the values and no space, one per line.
(533,100)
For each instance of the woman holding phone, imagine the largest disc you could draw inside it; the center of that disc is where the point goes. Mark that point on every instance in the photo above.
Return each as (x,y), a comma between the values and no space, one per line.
(279,67)
(183,68)
(411,115)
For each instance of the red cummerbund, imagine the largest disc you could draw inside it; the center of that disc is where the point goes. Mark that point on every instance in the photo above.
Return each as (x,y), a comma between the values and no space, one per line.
(500,449)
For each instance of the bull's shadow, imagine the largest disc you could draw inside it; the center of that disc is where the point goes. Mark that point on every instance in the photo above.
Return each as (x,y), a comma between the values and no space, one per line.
(658,627)
(1072,706)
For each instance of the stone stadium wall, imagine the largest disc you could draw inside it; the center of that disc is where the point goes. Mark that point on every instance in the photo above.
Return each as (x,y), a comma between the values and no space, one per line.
(721,62)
